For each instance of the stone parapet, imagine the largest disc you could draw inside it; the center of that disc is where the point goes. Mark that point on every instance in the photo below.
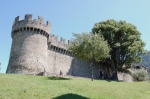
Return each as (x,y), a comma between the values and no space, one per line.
(29,24)
(53,40)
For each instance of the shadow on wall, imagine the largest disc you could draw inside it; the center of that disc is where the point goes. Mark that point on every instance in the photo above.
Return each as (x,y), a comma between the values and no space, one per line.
(70,96)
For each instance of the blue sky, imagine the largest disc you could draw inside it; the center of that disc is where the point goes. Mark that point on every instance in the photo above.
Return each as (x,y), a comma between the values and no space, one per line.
(71,16)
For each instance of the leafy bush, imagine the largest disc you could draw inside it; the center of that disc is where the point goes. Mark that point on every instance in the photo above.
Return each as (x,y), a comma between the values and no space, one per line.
(147,78)
(139,75)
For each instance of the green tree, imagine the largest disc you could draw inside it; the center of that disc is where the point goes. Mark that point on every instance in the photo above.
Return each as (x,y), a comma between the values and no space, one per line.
(88,46)
(124,41)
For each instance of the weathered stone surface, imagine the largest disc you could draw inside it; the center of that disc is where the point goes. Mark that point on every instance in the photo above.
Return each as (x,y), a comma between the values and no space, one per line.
(26,53)
(35,51)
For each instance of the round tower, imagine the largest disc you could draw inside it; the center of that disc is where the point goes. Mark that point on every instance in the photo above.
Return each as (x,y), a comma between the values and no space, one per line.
(29,45)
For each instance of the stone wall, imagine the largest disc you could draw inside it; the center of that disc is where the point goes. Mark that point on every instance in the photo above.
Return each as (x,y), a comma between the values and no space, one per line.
(29,45)
(127,77)
(28,53)
(59,61)
(35,50)
(69,65)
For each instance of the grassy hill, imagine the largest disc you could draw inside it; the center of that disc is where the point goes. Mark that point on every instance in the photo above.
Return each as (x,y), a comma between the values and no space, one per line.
(38,87)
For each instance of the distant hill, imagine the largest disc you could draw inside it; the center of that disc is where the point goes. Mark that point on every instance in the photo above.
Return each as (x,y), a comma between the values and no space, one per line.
(146,60)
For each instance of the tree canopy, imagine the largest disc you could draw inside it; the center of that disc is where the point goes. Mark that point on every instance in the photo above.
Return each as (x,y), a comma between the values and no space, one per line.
(124,41)
(88,46)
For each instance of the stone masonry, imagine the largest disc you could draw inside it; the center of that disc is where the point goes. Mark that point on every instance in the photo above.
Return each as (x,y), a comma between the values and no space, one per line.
(35,50)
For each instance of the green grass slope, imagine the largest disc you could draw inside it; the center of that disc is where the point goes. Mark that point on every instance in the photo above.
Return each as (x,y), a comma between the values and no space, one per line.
(37,87)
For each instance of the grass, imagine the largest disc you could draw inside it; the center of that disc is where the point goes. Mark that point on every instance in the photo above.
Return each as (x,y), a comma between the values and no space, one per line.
(14,86)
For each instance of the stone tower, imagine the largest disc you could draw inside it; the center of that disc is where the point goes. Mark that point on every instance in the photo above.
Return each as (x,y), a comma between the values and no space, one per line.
(29,45)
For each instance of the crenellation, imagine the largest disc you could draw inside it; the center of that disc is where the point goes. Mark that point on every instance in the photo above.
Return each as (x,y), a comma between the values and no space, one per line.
(62,40)
(54,39)
(34,49)
(41,20)
(17,19)
(48,23)
(68,42)
(28,22)
(28,17)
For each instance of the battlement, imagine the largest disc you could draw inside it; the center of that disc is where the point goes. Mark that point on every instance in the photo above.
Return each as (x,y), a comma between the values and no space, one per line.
(29,23)
(59,46)
(53,40)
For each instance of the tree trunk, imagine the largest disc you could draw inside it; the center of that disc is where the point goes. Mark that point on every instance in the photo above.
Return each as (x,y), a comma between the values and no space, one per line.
(115,74)
(92,71)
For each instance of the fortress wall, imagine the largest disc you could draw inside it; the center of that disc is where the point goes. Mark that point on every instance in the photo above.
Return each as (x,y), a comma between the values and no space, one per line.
(28,53)
(127,77)
(70,65)
(83,69)
(34,50)
(59,61)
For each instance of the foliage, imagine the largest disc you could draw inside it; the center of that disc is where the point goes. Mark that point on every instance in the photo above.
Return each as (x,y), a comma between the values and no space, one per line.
(89,47)
(139,75)
(124,41)
(39,87)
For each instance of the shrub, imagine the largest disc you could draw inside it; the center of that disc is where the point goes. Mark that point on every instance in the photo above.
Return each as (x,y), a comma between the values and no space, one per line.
(147,78)
(139,75)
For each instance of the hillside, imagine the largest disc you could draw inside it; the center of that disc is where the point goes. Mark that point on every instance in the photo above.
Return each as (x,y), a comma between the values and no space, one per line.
(38,87)
(146,60)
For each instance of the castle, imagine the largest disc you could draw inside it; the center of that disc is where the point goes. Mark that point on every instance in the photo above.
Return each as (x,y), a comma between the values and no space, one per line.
(34,50)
